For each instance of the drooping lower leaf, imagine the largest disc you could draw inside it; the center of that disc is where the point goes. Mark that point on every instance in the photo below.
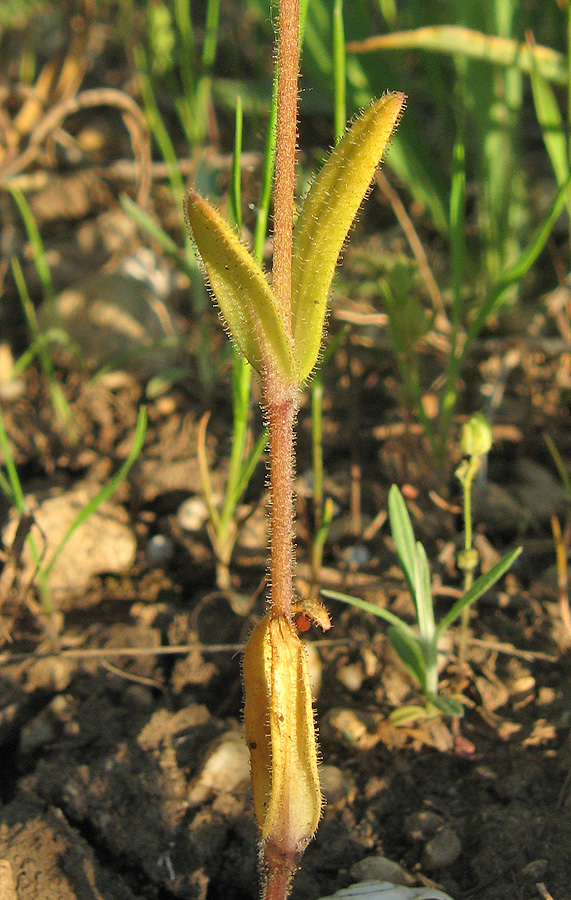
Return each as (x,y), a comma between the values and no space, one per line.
(245,298)
(326,217)
(280,733)
(447,705)
(410,653)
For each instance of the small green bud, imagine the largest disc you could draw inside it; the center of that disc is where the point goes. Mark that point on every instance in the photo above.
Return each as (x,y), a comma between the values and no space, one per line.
(468,560)
(476,436)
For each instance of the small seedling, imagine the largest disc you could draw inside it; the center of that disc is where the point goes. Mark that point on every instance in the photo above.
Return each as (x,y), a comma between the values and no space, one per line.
(418,647)
(476,444)
(40,341)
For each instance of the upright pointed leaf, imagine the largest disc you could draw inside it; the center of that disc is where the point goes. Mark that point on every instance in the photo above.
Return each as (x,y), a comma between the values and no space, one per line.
(246,301)
(423,596)
(480,586)
(326,217)
(403,536)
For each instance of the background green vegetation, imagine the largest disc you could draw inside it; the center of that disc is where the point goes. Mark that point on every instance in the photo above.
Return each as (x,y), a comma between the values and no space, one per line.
(477,160)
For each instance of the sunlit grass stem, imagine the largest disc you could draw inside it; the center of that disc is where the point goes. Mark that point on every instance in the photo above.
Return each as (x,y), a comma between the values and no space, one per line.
(339,70)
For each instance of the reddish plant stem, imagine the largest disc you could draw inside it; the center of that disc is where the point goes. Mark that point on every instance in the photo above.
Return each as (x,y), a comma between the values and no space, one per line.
(281,412)
(286,142)
(278,880)
(281,398)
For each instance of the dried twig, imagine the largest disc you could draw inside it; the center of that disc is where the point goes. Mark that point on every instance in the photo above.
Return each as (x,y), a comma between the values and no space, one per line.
(8,658)
(510,650)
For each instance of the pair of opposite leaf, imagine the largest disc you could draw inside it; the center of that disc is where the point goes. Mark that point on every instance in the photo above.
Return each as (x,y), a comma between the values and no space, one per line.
(242,291)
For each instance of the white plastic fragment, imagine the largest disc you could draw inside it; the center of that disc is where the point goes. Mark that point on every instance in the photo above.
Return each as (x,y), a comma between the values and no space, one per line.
(384,890)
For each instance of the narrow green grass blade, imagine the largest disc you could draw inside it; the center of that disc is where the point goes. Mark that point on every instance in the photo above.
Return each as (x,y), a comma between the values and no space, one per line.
(16,493)
(458,224)
(516,272)
(35,240)
(156,123)
(211,34)
(263,212)
(559,465)
(244,296)
(108,490)
(235,189)
(480,586)
(339,70)
(457,40)
(249,467)
(326,216)
(551,123)
(13,489)
(377,611)
(410,167)
(57,396)
(187,44)
(151,227)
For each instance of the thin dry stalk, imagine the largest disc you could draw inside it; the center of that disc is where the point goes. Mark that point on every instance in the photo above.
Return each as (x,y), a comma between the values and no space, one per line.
(415,245)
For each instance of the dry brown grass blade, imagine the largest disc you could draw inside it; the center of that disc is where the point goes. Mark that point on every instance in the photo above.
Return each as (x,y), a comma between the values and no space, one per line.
(415,245)
(561,540)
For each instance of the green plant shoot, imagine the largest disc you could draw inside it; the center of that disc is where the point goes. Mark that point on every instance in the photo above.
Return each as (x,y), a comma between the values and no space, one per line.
(240,287)
(418,647)
(279,329)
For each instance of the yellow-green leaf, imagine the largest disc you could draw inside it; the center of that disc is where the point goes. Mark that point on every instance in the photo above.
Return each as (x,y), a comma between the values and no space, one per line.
(460,41)
(326,217)
(247,303)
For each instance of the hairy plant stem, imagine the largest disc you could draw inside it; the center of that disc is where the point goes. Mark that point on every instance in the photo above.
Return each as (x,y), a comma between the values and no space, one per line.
(281,398)
(281,412)
(278,883)
(286,142)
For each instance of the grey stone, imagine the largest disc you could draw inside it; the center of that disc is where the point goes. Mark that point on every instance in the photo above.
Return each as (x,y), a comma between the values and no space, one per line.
(442,850)
(380,868)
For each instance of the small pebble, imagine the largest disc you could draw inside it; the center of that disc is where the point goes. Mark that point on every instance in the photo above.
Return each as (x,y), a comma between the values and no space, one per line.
(420,826)
(354,727)
(522,685)
(356,557)
(351,676)
(227,767)
(535,871)
(379,868)
(38,733)
(192,514)
(336,785)
(384,890)
(7,889)
(139,696)
(442,850)
(10,391)
(159,550)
